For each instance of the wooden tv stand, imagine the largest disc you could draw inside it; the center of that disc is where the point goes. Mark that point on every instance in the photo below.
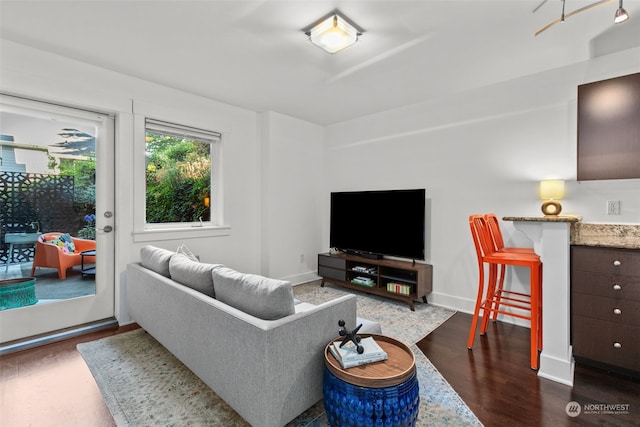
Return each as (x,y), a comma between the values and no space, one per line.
(399,280)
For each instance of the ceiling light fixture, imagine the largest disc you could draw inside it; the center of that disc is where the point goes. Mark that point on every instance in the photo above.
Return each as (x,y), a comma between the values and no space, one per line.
(334,33)
(621,14)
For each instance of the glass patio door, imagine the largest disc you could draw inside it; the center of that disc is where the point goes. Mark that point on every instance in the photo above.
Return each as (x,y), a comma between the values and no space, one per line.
(56,217)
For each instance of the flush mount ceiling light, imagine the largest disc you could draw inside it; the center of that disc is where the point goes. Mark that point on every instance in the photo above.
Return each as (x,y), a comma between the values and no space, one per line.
(620,16)
(333,33)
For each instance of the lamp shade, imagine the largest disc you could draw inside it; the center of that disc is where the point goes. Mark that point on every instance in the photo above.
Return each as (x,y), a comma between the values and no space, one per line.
(552,189)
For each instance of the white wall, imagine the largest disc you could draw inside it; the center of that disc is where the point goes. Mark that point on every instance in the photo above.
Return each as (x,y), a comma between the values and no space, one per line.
(480,151)
(292,153)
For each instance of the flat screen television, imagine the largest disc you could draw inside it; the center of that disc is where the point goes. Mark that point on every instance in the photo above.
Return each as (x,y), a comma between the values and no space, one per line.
(377,223)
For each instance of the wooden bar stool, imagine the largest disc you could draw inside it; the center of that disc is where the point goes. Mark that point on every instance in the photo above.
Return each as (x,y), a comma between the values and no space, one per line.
(490,302)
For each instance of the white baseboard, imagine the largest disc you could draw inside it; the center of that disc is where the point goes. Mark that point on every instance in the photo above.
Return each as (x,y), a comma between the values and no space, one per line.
(466,305)
(451,302)
(301,278)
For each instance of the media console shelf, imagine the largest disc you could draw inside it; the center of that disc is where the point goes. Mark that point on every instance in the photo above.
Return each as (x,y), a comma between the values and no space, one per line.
(399,280)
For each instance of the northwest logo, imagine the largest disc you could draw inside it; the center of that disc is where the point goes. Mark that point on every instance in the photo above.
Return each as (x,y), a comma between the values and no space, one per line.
(573,409)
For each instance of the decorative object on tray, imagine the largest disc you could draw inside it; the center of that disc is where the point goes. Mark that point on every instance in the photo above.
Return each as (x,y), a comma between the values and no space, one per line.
(354,351)
(350,336)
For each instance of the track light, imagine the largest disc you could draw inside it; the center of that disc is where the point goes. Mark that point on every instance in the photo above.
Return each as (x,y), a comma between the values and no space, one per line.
(621,14)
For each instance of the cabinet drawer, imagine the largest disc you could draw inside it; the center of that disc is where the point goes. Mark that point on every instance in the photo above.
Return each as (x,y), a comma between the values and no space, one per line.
(606,342)
(606,260)
(606,285)
(606,309)
(332,273)
(334,262)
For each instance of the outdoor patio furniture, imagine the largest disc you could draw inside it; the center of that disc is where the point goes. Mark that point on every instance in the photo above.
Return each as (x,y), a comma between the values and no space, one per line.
(52,256)
(18,239)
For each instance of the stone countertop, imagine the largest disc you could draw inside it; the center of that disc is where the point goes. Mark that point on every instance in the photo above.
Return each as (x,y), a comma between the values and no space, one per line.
(625,236)
(557,218)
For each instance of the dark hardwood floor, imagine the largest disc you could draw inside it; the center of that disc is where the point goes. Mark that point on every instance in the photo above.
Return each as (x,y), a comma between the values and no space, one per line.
(495,381)
(52,386)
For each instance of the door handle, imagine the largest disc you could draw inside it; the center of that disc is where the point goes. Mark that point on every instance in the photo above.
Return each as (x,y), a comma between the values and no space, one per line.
(107,229)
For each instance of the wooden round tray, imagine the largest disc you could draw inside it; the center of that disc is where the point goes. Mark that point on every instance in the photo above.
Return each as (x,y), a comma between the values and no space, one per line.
(399,367)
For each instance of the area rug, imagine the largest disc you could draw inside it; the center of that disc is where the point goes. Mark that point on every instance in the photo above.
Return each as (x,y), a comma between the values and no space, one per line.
(145,385)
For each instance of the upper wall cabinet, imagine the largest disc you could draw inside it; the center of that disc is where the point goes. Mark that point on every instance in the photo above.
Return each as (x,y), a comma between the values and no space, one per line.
(609,129)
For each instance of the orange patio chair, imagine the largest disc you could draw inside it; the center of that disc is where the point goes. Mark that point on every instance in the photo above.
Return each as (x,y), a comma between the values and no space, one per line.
(52,256)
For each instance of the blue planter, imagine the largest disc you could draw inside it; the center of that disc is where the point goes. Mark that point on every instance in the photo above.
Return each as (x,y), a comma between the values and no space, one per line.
(16,293)
(350,405)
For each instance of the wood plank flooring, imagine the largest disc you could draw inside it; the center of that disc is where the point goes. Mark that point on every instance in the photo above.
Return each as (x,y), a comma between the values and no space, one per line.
(52,386)
(495,381)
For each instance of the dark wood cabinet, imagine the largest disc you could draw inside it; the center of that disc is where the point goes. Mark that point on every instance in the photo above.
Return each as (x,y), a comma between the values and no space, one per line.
(399,280)
(605,307)
(609,129)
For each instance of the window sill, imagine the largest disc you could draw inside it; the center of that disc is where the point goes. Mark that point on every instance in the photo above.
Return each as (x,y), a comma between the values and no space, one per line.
(184,233)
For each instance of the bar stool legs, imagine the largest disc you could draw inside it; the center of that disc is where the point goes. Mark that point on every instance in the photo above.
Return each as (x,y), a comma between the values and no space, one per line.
(496,300)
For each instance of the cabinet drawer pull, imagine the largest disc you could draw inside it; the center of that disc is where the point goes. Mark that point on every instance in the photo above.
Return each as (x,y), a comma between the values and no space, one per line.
(617,287)
(617,345)
(617,311)
(617,263)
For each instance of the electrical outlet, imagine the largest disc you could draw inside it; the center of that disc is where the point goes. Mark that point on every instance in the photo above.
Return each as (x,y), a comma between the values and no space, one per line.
(613,207)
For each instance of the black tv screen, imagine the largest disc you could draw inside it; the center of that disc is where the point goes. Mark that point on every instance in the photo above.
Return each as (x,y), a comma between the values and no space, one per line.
(390,222)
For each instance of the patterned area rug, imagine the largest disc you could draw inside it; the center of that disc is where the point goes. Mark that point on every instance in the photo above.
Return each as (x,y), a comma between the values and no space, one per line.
(167,393)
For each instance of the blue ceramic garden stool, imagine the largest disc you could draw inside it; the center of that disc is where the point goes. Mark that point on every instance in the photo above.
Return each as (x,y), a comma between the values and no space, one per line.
(377,394)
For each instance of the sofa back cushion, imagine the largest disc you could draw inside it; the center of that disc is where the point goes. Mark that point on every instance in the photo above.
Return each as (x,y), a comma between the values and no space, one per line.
(259,296)
(156,259)
(194,274)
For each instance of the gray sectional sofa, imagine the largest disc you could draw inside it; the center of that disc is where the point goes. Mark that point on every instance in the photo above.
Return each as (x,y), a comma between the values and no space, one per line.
(244,335)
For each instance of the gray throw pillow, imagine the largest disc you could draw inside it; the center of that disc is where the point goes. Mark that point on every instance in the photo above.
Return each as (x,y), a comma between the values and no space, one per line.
(259,296)
(194,274)
(184,250)
(156,259)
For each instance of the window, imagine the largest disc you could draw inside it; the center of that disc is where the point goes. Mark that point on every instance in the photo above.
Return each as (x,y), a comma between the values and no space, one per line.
(179,162)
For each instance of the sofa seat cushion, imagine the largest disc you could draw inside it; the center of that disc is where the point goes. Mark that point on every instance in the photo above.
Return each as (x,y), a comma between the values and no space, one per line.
(156,259)
(259,296)
(303,306)
(194,274)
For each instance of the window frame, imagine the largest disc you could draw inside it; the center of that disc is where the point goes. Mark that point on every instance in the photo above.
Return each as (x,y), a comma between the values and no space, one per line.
(146,232)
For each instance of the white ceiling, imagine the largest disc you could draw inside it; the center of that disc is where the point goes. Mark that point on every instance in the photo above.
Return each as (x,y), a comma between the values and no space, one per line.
(253,54)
